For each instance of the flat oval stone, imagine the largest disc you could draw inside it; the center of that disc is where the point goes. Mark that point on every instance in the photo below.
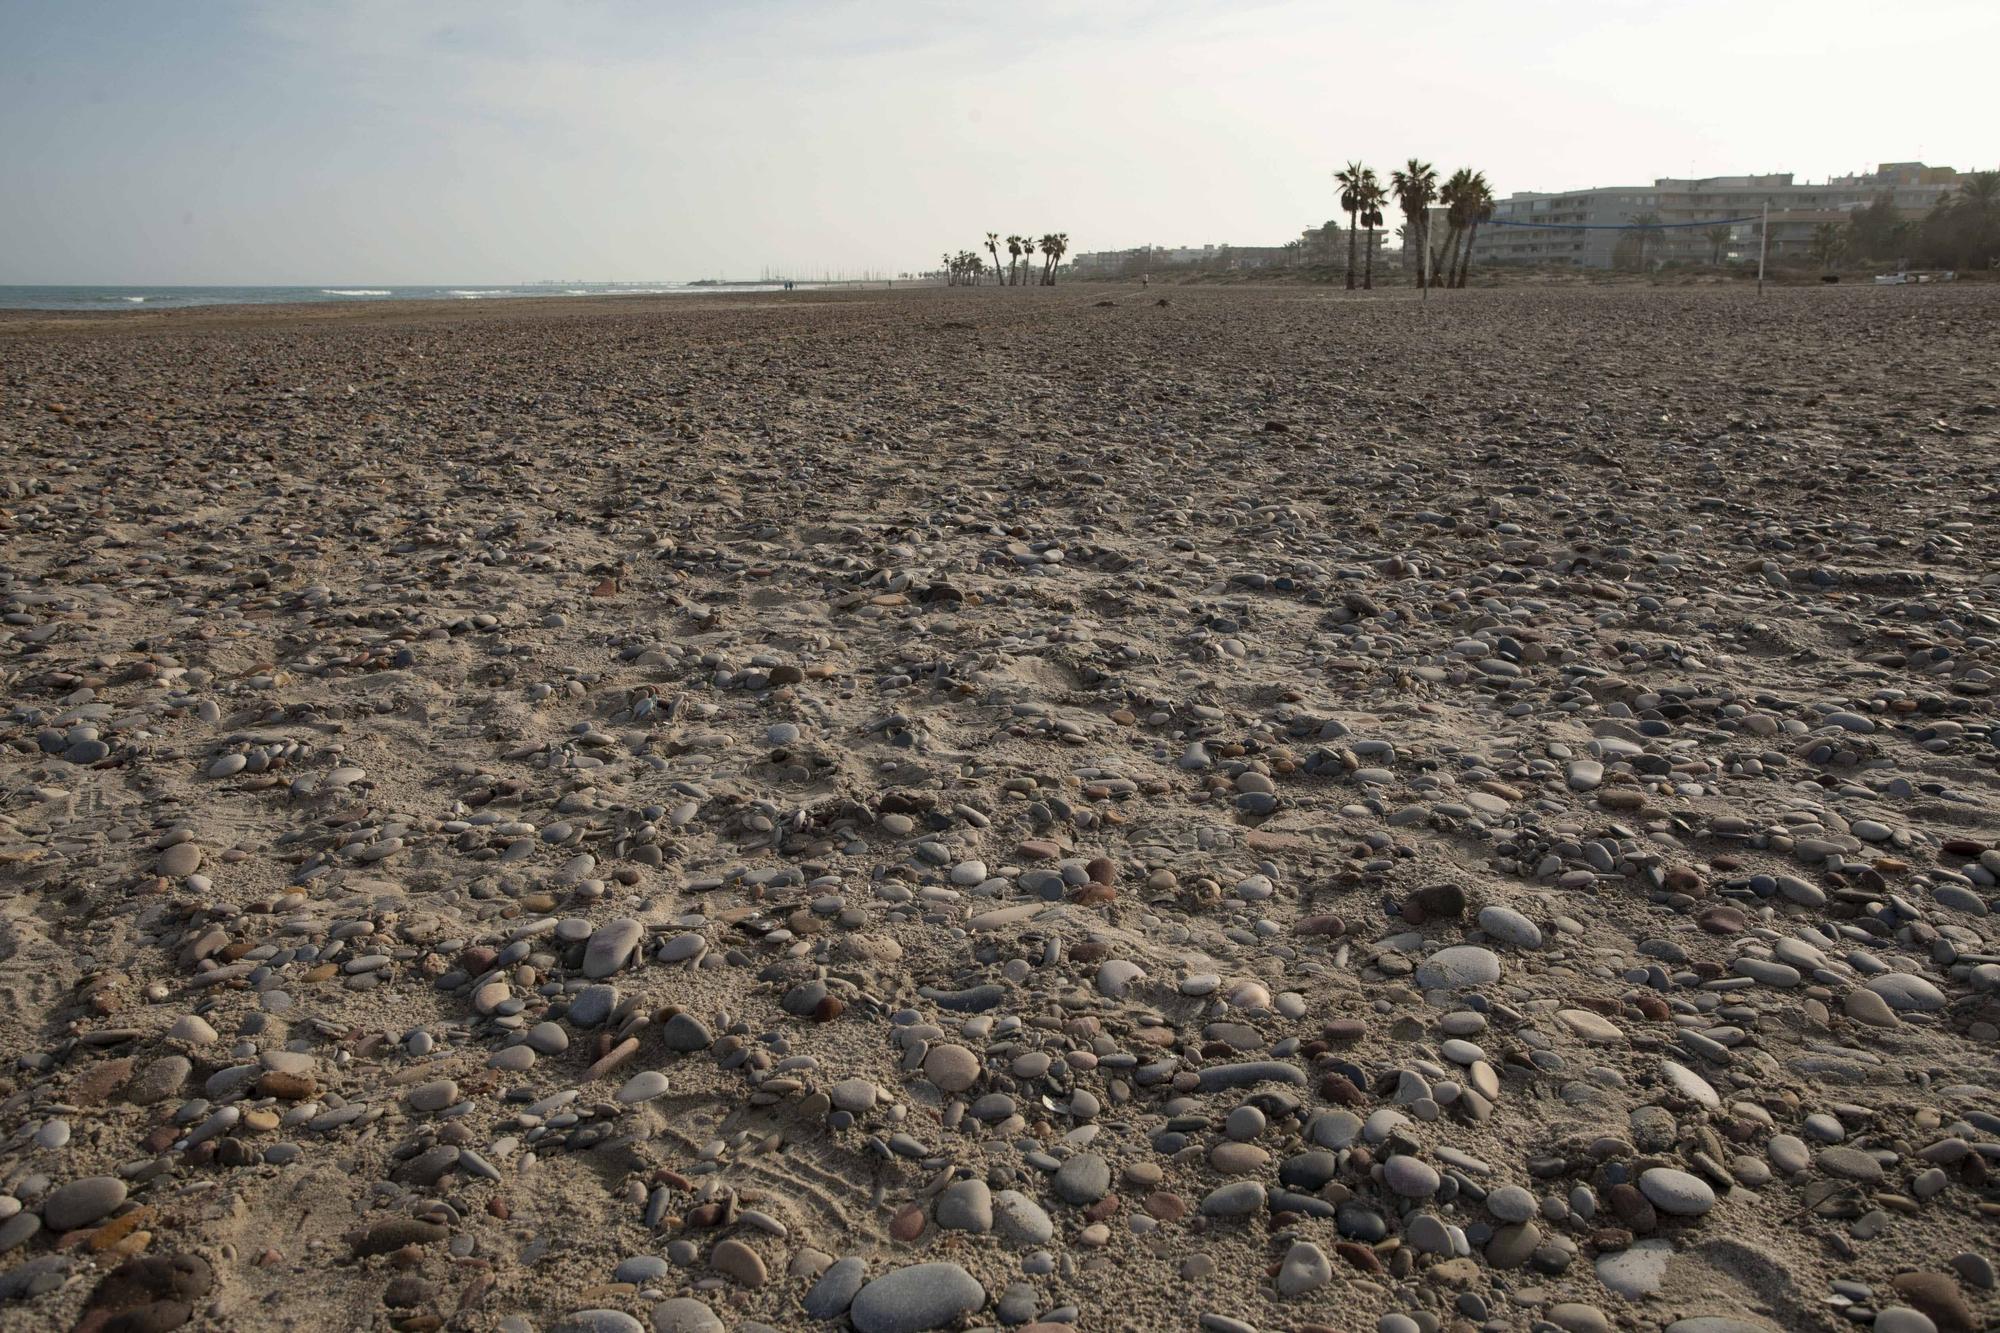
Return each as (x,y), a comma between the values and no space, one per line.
(640,1269)
(1676,1192)
(1020,1220)
(1593,1028)
(829,1297)
(684,1314)
(610,946)
(1458,967)
(1851,1164)
(916,1298)
(1409,1177)
(1083,1179)
(82,1202)
(1239,1199)
(1510,927)
(1907,993)
(433,1096)
(643,1086)
(597,1321)
(951,1068)
(965,1205)
(1690,1084)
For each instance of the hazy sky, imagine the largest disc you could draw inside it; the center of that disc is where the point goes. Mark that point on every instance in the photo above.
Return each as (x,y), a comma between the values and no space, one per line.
(400,141)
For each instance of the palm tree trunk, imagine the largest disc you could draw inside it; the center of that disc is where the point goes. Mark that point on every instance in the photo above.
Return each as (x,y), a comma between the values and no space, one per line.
(1368,281)
(1350,249)
(1465,264)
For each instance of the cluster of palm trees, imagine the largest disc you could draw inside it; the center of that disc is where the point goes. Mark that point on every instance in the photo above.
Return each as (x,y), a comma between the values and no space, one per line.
(1021,257)
(968,268)
(1361,198)
(1467,200)
(964,269)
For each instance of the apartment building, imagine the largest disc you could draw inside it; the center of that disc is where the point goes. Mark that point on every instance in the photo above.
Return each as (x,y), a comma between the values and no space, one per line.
(1532,229)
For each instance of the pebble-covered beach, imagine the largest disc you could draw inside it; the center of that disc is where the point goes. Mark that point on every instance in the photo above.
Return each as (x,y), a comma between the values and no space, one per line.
(1085,808)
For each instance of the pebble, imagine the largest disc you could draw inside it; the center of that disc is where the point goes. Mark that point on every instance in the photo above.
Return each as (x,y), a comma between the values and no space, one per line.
(915,1298)
(1304,1268)
(1637,1271)
(684,1314)
(1460,967)
(1510,927)
(835,1289)
(966,1205)
(951,1068)
(1676,1192)
(1906,993)
(1084,1178)
(81,1202)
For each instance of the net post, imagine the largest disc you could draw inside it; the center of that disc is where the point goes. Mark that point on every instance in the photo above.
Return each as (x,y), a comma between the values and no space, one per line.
(1763,245)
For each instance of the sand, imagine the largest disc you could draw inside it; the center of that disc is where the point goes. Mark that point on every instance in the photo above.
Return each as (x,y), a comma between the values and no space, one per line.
(1358,813)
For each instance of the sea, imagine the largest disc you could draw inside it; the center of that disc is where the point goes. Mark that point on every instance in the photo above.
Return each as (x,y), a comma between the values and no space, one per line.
(171,298)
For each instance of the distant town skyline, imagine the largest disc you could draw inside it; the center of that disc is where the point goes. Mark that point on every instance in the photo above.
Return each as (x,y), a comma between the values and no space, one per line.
(249,141)
(1913,187)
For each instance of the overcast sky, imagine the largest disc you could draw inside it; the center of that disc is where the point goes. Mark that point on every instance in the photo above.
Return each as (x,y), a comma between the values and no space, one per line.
(406,141)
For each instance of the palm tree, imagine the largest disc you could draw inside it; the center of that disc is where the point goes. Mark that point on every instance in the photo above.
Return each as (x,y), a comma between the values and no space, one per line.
(1372,199)
(1013,258)
(1061,240)
(1052,246)
(1454,198)
(1632,251)
(993,248)
(1979,191)
(1350,179)
(1415,186)
(1478,209)
(1718,241)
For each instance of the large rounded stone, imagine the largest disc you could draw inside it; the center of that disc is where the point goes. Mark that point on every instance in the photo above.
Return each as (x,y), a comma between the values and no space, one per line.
(82,1202)
(1084,1178)
(951,1068)
(1676,1192)
(684,1314)
(611,946)
(913,1299)
(1458,967)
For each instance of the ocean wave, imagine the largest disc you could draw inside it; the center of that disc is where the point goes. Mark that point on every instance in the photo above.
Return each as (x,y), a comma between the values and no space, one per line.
(131,298)
(353,291)
(474,293)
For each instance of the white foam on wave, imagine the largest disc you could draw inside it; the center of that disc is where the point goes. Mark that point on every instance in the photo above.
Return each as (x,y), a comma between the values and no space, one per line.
(474,293)
(354,291)
(134,298)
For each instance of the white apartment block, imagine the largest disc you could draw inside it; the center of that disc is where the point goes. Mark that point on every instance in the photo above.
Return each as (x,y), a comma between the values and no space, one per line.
(1538,237)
